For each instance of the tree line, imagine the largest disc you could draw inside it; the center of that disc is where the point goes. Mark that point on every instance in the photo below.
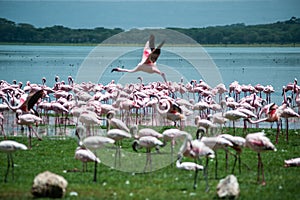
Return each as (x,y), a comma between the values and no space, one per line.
(285,32)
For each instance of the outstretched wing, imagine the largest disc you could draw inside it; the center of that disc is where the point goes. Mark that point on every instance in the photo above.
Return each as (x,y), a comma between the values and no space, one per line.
(146,52)
(32,100)
(151,54)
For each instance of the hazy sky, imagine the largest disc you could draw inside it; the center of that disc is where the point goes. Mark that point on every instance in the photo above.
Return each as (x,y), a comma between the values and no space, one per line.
(128,14)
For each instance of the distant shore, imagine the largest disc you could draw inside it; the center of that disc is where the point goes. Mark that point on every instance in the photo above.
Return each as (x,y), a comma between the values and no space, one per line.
(189,45)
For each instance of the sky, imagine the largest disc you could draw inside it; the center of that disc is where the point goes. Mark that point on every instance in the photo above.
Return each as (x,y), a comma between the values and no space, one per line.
(128,14)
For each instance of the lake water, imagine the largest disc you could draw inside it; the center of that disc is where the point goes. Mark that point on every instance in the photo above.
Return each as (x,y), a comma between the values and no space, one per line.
(274,66)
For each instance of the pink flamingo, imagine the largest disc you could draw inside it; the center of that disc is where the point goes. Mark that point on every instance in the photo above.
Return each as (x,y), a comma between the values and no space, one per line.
(258,142)
(148,63)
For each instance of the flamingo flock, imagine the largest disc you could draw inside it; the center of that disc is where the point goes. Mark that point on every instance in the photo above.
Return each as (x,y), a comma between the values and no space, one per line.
(128,112)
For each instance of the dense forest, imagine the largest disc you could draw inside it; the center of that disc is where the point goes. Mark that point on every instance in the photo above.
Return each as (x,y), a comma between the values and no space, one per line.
(286,32)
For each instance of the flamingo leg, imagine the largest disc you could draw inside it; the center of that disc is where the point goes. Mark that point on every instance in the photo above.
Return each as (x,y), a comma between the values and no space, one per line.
(206,175)
(216,166)
(12,166)
(195,179)
(95,172)
(8,166)
(29,137)
(287,129)
(226,160)
(235,159)
(262,172)
(35,133)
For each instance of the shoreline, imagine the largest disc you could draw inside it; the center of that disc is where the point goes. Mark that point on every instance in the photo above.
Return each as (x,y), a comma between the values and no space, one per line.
(179,45)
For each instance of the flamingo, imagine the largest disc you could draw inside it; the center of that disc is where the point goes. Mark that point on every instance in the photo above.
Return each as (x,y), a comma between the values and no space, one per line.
(26,105)
(144,132)
(190,166)
(234,115)
(171,135)
(196,149)
(172,112)
(258,142)
(237,144)
(287,113)
(118,135)
(148,63)
(216,143)
(28,119)
(295,162)
(93,143)
(147,142)
(85,155)
(9,147)
(204,123)
(114,122)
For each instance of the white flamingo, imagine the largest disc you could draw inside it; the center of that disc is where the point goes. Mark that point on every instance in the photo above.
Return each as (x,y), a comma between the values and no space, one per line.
(147,142)
(9,147)
(93,143)
(85,155)
(118,135)
(148,63)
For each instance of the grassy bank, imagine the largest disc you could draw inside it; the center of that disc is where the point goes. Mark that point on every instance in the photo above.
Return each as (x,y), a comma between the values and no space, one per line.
(56,154)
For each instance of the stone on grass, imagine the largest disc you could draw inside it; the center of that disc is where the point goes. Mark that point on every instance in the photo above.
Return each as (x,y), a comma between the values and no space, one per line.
(228,187)
(50,185)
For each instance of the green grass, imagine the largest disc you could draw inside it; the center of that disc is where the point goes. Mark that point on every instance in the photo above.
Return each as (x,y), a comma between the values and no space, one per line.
(56,154)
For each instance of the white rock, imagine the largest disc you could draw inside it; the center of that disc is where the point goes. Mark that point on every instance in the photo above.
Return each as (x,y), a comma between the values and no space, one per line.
(228,187)
(48,184)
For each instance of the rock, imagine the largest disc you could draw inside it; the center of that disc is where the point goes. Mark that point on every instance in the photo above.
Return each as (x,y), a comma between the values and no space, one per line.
(228,187)
(48,184)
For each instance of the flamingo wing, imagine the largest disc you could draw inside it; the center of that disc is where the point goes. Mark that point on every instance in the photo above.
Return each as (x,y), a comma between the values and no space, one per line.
(151,54)
(31,100)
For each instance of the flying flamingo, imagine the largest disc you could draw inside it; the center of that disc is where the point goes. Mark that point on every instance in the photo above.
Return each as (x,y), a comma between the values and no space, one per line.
(148,63)
(9,147)
(93,143)
(147,142)
(258,142)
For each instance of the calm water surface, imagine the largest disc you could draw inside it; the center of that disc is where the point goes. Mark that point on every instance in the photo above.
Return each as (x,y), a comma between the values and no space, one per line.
(276,66)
